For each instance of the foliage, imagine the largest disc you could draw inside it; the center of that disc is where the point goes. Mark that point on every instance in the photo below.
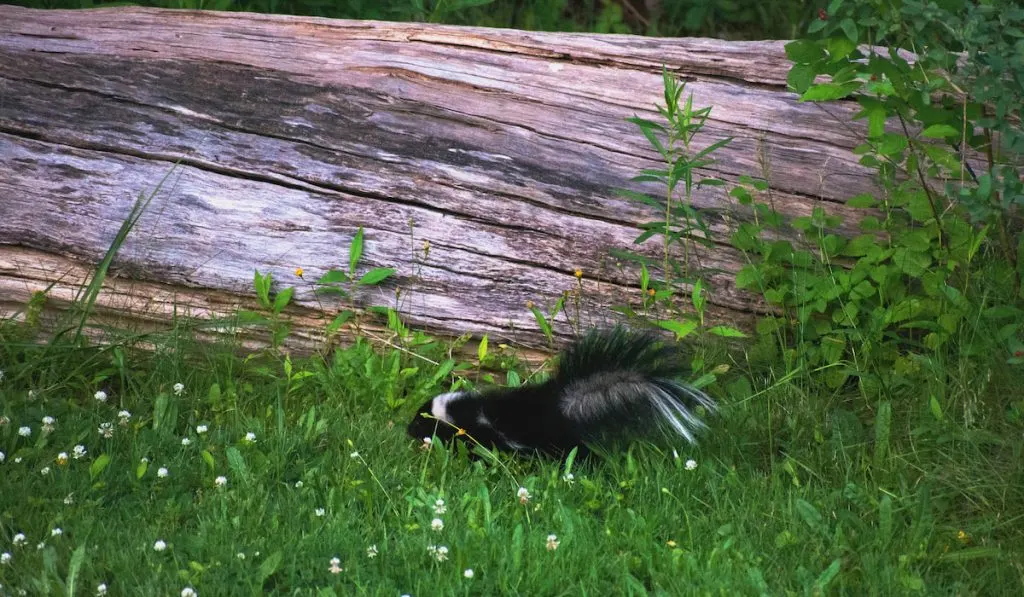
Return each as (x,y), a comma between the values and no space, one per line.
(937,259)
(733,19)
(681,226)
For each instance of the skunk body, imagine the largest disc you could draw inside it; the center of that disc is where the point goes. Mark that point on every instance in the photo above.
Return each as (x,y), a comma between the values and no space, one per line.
(610,382)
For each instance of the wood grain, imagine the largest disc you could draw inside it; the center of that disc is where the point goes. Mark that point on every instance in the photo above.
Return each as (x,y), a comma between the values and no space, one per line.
(278,137)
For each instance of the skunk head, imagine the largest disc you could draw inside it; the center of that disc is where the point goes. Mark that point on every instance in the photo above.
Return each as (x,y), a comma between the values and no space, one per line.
(435,418)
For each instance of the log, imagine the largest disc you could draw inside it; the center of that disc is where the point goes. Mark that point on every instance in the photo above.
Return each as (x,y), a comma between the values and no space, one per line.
(280,136)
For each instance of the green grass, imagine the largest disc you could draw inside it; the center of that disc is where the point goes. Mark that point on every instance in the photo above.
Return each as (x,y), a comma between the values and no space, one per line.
(793,493)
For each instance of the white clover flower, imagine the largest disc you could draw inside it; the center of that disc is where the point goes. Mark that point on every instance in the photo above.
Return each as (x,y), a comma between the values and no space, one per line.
(220,481)
(568,478)
(123,417)
(62,458)
(19,540)
(468,573)
(78,452)
(189,592)
(691,464)
(441,553)
(44,471)
(5,558)
(250,437)
(159,545)
(523,494)
(335,566)
(144,459)
(298,484)
(101,589)
(437,524)
(354,455)
(427,442)
(100,396)
(240,555)
(185,441)
(57,532)
(48,424)
(162,472)
(70,499)
(371,551)
(106,430)
(24,431)
(40,545)
(552,542)
(320,512)
(32,394)
(179,388)
(201,429)
(17,460)
(439,507)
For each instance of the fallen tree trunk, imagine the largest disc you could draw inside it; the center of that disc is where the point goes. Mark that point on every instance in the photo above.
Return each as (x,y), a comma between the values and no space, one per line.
(280,136)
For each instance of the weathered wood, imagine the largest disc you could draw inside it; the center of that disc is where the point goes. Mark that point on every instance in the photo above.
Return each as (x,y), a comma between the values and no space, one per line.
(503,149)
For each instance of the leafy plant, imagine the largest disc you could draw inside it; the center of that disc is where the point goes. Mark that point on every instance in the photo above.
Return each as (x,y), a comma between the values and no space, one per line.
(940,245)
(681,225)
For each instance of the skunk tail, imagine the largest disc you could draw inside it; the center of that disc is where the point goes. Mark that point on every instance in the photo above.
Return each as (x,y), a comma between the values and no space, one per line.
(611,381)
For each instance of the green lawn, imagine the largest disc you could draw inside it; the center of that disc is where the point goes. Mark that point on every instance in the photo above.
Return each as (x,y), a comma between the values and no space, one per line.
(791,493)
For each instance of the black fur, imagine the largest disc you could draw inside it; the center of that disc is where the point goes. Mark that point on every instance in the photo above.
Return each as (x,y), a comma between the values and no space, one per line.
(610,382)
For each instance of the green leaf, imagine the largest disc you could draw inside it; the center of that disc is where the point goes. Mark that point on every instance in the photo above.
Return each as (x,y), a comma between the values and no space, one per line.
(885,520)
(208,459)
(940,131)
(481,349)
(517,548)
(801,77)
(883,428)
(863,200)
(876,116)
(804,51)
(98,466)
(829,91)
(262,286)
(726,332)
(355,252)
(912,263)
(892,144)
(140,470)
(161,409)
(680,328)
(339,320)
(74,566)
(850,29)
(282,299)
(838,49)
(376,276)
(333,276)
(269,566)
(542,322)
(809,514)
(236,462)
(827,576)
(936,408)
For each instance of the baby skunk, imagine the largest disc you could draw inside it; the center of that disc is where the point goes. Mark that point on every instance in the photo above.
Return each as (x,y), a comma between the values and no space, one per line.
(610,382)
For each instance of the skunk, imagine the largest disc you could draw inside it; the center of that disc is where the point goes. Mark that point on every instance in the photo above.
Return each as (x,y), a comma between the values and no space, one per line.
(615,382)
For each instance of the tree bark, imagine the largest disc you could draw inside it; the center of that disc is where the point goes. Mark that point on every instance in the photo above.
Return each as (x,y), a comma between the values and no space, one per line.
(277,137)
